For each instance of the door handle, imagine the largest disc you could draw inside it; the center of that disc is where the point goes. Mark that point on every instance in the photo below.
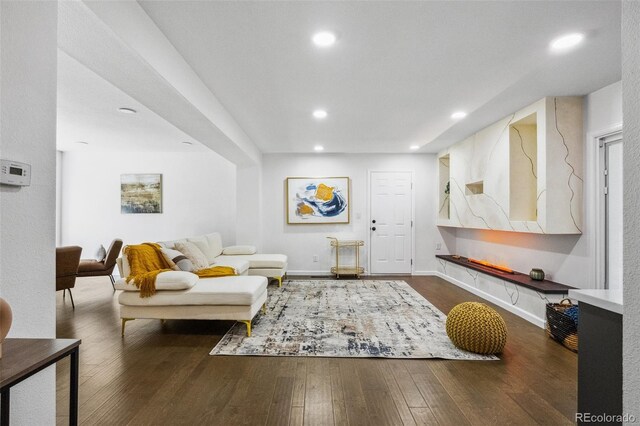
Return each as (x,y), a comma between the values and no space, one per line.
(373,229)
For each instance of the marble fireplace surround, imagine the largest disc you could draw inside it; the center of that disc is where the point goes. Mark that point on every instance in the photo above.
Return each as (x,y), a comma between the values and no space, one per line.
(523,173)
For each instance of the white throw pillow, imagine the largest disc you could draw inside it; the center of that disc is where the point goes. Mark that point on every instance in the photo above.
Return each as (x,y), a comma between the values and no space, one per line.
(236,250)
(215,243)
(194,254)
(170,280)
(203,244)
(101,253)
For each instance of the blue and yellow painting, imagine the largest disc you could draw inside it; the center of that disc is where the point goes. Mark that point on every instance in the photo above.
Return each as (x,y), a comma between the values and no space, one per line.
(321,200)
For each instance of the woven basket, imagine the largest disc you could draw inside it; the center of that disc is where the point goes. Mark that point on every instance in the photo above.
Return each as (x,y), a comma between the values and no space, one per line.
(560,326)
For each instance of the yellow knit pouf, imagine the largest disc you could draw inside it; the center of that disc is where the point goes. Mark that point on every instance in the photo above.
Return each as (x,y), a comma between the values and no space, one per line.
(475,327)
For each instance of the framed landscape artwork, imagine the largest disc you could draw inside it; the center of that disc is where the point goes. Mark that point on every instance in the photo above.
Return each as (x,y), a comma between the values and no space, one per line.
(141,193)
(317,200)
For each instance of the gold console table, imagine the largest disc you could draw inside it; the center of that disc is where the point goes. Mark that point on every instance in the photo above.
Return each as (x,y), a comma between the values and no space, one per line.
(347,270)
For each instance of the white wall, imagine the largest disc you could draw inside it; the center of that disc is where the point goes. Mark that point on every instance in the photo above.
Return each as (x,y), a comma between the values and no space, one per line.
(27,215)
(568,259)
(199,196)
(631,105)
(58,198)
(249,205)
(301,242)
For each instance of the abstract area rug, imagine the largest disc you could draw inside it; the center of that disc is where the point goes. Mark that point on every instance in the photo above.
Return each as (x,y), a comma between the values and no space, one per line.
(384,319)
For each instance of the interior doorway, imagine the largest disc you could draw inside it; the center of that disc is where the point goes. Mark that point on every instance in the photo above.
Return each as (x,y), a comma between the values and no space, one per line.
(611,193)
(391,222)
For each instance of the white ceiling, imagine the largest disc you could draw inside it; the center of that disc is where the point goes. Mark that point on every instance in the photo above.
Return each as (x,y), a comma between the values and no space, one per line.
(88,111)
(397,72)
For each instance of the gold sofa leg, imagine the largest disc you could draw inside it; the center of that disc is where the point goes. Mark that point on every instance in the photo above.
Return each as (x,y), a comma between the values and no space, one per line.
(264,308)
(248,327)
(279,281)
(124,321)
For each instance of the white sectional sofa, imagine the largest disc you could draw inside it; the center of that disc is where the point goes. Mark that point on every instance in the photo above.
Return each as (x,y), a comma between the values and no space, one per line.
(243,259)
(184,295)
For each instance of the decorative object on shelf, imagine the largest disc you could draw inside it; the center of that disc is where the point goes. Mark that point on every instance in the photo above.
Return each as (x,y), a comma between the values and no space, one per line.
(447,188)
(317,200)
(562,323)
(141,193)
(6,318)
(347,270)
(537,274)
(476,327)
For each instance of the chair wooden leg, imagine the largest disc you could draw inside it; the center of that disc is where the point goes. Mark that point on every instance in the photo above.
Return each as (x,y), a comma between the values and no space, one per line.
(71,296)
(113,282)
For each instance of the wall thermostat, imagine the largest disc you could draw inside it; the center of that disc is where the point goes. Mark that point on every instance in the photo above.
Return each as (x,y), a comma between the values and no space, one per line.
(15,173)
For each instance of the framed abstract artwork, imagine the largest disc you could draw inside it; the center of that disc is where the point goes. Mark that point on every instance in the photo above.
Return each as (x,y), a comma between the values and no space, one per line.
(141,193)
(317,200)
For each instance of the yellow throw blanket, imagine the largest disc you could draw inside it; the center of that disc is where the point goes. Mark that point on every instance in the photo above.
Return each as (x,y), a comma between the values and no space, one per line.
(146,262)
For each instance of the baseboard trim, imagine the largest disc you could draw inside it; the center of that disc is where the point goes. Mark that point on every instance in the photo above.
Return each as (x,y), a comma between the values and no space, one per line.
(540,322)
(324,273)
(425,273)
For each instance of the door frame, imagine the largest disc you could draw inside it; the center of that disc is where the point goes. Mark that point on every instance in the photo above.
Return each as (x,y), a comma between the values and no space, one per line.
(370,172)
(596,160)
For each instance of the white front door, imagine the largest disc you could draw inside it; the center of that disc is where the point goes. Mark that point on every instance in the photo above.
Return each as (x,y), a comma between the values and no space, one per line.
(390,224)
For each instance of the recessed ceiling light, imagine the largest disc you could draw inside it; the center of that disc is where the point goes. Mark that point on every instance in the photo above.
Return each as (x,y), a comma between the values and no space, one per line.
(458,114)
(320,114)
(324,39)
(318,148)
(566,41)
(82,142)
(414,147)
(187,143)
(125,110)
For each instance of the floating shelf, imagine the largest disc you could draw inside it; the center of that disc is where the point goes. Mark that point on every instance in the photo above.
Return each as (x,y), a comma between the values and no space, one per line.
(517,278)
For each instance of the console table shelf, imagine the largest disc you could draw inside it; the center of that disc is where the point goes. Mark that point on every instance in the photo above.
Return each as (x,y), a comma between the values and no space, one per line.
(22,358)
(545,286)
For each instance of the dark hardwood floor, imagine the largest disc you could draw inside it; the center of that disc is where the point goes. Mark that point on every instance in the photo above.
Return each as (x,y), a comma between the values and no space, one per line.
(163,374)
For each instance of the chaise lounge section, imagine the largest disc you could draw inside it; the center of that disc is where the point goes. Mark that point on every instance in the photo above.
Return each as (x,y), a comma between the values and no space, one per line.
(184,295)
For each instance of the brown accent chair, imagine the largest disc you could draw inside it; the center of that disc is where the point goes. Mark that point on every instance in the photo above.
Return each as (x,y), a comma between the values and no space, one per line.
(94,268)
(67,260)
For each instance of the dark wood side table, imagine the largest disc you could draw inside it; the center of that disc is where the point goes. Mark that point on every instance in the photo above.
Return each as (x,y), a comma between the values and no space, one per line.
(22,358)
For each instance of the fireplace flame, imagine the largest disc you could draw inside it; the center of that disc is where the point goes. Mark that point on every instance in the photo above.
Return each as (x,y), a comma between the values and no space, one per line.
(491,265)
